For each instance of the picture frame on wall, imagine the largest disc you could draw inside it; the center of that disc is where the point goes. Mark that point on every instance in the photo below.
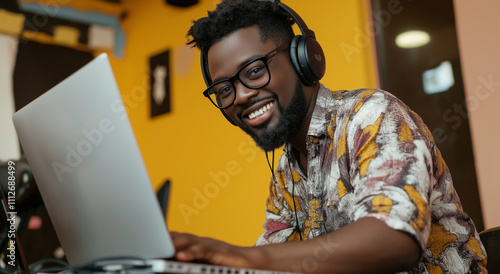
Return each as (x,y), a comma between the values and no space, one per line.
(159,73)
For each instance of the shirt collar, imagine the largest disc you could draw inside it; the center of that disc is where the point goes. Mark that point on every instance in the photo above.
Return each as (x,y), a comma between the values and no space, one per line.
(322,113)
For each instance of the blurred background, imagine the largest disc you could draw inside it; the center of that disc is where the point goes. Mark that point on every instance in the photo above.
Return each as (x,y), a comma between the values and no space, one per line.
(440,57)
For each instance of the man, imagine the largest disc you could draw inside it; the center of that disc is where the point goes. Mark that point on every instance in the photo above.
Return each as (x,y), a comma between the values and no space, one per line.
(361,186)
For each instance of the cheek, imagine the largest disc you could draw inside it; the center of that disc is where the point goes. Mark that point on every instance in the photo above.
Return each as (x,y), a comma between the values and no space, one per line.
(284,82)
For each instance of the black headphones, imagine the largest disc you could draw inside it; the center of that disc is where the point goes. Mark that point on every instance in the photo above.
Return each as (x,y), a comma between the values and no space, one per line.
(306,55)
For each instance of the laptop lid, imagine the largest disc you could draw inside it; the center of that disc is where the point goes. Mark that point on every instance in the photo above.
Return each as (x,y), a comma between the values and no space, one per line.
(83,154)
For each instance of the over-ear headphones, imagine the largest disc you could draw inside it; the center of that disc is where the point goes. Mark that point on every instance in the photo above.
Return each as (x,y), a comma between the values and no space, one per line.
(306,55)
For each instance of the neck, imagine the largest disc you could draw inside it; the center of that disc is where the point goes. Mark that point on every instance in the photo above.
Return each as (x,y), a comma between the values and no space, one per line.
(298,142)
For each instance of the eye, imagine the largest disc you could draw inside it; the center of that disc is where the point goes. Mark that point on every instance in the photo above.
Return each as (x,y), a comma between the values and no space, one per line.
(224,91)
(255,71)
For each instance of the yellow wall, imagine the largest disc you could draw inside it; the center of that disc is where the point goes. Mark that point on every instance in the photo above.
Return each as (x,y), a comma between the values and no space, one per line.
(193,144)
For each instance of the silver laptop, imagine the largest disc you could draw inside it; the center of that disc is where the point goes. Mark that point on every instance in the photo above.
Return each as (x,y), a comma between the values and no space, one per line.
(83,154)
(81,148)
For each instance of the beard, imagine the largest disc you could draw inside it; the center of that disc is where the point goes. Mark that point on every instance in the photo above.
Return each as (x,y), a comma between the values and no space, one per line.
(289,122)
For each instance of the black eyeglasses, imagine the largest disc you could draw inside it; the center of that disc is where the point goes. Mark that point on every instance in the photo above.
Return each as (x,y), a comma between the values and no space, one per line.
(255,74)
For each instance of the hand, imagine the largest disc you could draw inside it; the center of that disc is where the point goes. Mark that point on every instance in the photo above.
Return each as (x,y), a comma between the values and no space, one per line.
(365,246)
(193,248)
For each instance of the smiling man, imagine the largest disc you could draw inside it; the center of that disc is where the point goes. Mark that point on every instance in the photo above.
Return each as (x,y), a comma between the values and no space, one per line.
(361,186)
(278,112)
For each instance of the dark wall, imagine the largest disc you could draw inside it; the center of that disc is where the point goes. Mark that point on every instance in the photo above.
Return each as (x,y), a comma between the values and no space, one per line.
(401,74)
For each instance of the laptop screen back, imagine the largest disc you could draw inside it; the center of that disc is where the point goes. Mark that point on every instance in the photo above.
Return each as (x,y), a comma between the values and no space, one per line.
(81,148)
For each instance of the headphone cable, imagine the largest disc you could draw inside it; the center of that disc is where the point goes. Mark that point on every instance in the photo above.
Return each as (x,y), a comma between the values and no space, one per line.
(269,164)
(293,195)
(271,167)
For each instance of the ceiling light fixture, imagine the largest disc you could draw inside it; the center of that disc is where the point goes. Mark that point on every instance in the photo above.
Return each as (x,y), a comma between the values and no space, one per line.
(412,39)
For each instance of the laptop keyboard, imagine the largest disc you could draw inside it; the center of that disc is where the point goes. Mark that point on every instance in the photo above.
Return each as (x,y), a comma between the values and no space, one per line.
(162,266)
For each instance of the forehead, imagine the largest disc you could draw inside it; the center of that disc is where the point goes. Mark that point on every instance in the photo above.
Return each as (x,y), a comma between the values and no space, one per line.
(229,54)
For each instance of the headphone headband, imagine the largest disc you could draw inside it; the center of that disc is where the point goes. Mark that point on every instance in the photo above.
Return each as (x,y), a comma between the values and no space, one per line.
(298,20)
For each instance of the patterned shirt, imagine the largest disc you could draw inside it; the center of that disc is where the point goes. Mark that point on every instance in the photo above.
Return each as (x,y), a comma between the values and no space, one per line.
(369,155)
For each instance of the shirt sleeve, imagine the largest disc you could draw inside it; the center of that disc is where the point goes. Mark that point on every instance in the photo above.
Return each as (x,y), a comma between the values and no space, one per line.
(391,164)
(279,225)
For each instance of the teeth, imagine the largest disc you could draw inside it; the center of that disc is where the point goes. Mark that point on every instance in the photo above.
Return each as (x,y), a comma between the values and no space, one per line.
(259,112)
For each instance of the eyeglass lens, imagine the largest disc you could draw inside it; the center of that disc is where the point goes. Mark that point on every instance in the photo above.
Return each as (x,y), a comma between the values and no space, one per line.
(253,75)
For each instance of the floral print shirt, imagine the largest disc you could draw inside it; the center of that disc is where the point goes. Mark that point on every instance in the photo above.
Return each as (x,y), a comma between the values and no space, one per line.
(369,155)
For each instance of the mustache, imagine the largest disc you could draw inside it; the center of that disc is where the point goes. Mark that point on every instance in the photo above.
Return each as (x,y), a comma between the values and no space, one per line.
(253,102)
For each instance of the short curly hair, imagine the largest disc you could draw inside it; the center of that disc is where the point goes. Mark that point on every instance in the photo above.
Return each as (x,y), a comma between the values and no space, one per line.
(232,15)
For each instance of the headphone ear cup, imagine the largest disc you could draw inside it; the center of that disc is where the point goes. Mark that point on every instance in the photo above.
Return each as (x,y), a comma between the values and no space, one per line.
(294,58)
(311,59)
(204,70)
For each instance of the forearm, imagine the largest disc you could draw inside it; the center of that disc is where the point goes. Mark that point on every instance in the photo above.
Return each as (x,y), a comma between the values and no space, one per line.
(367,245)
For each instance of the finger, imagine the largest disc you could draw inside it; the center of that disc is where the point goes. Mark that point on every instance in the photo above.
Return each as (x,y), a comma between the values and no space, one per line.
(215,254)
(182,240)
(174,234)
(184,256)
(193,252)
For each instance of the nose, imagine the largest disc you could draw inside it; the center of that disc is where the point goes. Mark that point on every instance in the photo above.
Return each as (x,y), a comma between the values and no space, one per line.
(243,93)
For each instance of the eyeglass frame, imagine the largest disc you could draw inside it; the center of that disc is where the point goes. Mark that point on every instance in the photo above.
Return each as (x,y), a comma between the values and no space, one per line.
(265,59)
